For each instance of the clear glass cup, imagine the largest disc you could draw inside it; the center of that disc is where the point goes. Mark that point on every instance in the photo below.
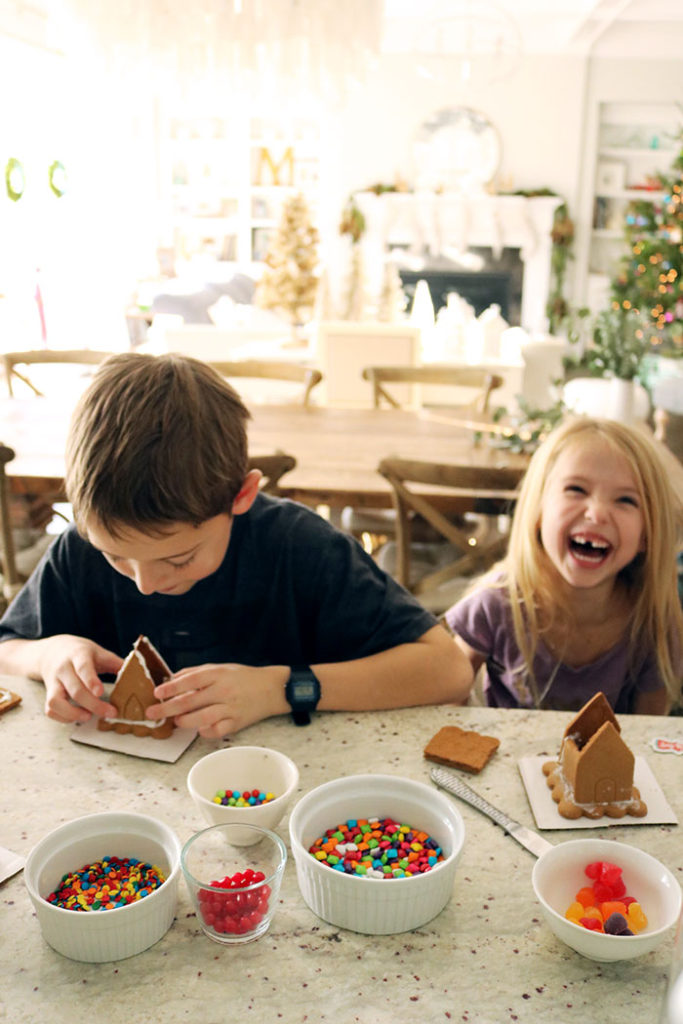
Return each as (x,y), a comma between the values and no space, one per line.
(233,874)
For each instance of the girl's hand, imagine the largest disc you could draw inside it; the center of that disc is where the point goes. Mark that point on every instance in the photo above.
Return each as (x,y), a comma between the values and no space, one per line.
(69,667)
(220,699)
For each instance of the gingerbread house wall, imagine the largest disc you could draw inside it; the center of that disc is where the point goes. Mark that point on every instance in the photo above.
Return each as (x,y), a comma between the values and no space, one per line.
(602,771)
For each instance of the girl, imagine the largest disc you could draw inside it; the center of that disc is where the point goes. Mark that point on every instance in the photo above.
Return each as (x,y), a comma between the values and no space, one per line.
(586,598)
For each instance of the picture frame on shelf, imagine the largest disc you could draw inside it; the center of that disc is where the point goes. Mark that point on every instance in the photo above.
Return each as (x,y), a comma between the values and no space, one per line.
(260,240)
(610,176)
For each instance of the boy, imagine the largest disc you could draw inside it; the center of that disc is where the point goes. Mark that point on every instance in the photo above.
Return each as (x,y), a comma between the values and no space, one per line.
(257,604)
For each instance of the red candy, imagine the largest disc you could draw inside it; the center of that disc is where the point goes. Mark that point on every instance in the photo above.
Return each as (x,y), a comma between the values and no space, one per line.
(239,912)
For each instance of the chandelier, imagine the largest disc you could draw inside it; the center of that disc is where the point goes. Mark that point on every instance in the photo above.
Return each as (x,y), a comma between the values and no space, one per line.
(280,49)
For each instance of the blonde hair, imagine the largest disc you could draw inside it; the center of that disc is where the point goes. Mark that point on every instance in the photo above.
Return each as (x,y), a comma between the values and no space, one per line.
(155,440)
(657,621)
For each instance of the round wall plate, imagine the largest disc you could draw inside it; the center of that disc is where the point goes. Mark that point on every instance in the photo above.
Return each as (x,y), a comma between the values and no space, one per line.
(457,149)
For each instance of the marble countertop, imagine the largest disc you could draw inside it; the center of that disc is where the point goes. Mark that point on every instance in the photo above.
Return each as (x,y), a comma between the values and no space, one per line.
(488,957)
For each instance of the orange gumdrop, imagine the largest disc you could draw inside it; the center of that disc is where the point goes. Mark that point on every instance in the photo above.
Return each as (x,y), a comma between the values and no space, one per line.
(612,907)
(586,896)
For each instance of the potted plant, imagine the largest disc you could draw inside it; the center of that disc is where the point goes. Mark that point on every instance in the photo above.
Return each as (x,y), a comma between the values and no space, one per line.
(615,352)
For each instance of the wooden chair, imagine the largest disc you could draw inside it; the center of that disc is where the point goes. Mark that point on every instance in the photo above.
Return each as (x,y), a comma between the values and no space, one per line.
(273,467)
(271,370)
(488,492)
(472,378)
(11,580)
(10,361)
(378,525)
(669,430)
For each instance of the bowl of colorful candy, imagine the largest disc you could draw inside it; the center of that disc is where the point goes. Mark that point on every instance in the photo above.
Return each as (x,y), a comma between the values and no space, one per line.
(233,883)
(607,900)
(105,886)
(376,854)
(243,785)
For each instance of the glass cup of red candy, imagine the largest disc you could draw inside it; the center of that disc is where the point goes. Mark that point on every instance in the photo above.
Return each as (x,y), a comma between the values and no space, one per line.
(234,887)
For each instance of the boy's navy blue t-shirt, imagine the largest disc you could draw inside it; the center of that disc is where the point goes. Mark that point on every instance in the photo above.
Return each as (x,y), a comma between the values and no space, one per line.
(292,590)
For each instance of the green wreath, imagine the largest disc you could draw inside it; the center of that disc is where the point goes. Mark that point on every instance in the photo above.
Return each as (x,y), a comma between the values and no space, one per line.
(15,181)
(57,178)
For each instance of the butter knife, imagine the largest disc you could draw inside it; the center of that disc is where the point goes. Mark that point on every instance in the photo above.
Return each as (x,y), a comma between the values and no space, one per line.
(526,837)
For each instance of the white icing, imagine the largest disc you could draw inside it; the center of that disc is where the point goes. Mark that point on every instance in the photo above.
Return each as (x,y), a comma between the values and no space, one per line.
(144,722)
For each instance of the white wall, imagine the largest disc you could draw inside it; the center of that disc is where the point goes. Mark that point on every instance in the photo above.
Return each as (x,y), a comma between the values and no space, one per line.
(542,111)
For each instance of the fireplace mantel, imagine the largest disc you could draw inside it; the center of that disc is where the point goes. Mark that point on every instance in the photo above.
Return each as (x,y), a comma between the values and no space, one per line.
(430,224)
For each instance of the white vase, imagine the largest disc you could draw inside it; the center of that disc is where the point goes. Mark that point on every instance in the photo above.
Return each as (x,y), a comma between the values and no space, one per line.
(622,400)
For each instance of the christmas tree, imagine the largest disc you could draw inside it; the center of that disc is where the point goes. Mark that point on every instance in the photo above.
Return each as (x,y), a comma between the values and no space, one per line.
(289,280)
(650,277)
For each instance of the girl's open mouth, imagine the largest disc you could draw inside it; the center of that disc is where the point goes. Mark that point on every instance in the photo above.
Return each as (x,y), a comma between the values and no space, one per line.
(589,550)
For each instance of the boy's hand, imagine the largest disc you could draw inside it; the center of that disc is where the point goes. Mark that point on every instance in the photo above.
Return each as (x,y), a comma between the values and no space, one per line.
(69,666)
(220,699)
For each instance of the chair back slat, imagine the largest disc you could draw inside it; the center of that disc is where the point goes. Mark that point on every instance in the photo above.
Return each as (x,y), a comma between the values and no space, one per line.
(264,369)
(46,356)
(491,491)
(475,378)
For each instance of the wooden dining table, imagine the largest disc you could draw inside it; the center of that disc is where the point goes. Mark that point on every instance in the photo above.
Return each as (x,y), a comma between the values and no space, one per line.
(337,450)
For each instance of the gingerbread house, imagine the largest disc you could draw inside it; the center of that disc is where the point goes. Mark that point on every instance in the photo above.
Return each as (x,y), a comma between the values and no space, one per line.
(595,761)
(594,772)
(133,693)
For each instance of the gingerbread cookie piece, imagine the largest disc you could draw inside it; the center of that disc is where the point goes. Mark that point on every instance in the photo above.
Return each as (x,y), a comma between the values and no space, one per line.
(133,693)
(461,748)
(8,700)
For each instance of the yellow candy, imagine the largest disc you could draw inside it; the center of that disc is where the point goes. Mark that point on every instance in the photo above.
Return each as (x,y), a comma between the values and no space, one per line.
(636,917)
(575,912)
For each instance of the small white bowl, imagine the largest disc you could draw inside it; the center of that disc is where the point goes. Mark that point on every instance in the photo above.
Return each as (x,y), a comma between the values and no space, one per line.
(559,874)
(104,935)
(243,768)
(368,905)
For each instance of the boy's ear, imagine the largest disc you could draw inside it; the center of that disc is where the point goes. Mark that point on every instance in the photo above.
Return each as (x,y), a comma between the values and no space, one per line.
(247,494)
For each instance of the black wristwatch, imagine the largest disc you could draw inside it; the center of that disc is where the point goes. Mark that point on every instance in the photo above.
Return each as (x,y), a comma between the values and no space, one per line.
(303,693)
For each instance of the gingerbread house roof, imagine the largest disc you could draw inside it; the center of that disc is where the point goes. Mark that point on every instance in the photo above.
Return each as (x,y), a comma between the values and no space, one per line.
(589,719)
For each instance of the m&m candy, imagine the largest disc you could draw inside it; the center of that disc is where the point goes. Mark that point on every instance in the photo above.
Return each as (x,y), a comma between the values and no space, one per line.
(242,798)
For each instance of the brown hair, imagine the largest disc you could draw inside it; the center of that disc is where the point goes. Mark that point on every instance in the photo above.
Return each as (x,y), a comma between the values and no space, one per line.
(155,440)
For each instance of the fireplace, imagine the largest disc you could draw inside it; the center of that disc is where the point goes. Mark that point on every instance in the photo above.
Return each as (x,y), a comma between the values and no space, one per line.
(499,281)
(513,233)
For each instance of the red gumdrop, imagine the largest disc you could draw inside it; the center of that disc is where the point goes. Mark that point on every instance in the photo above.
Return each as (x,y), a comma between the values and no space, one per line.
(603,892)
(593,870)
(591,923)
(609,873)
(618,888)
(628,900)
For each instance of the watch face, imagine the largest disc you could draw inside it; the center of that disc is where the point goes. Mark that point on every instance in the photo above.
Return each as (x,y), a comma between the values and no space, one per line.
(304,690)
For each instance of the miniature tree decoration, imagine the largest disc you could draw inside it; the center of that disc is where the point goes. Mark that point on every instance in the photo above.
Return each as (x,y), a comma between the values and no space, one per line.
(289,282)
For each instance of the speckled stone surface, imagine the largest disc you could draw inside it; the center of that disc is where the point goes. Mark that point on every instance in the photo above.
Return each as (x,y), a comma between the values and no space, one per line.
(488,957)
